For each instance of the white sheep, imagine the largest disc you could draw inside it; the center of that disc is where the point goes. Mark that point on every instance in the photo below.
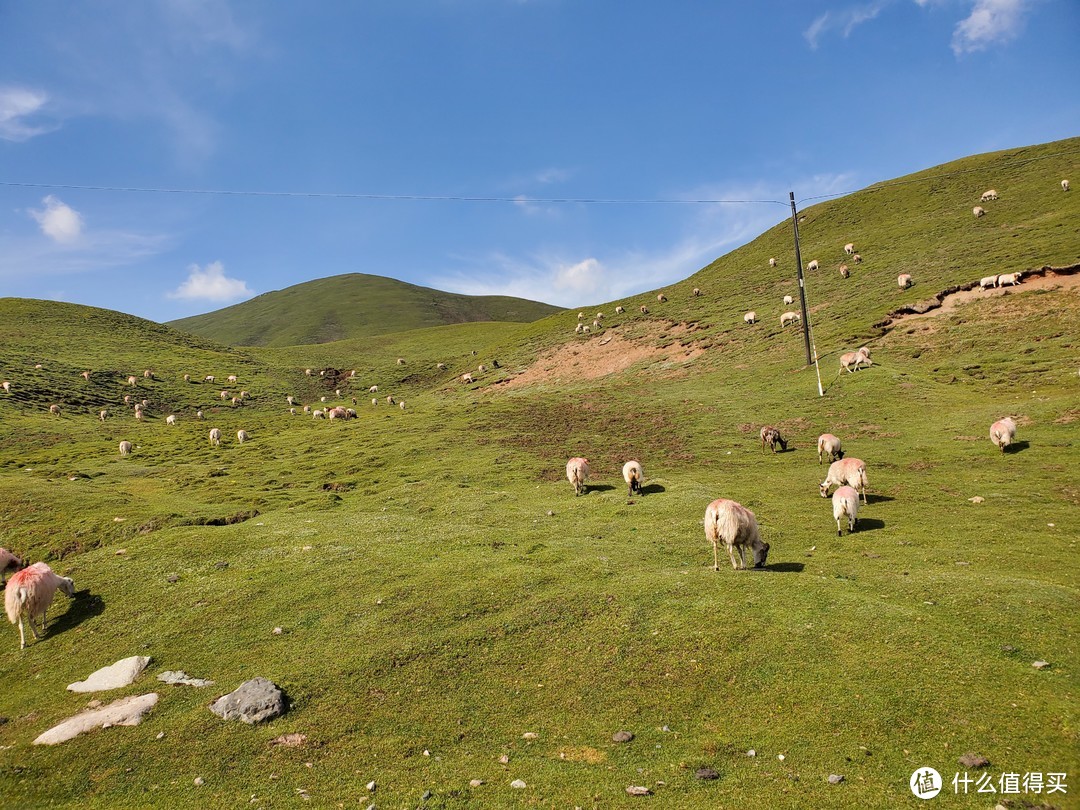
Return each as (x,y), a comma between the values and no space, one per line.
(289,399)
(187,378)
(988,195)
(209,378)
(170,419)
(857,259)
(102,414)
(771,436)
(813,265)
(292,411)
(1012,279)
(224,395)
(633,474)
(401,361)
(579,329)
(697,291)
(54,410)
(596,324)
(402,404)
(978,211)
(845,503)
(772,262)
(390,399)
(373,390)
(482,368)
(750,317)
(242,436)
(829,445)
(337,412)
(847,471)
(139,414)
(600,316)
(215,437)
(350,413)
(125,448)
(788,300)
(585,330)
(441,366)
(127,399)
(849,248)
(30,593)
(85,375)
(581,316)
(231,378)
(374,401)
(1064,185)
(467,377)
(6,385)
(148,374)
(988,281)
(853,361)
(577,472)
(903,281)
(661,297)
(789,318)
(132,380)
(307,372)
(644,310)
(322,399)
(8,563)
(619,310)
(1003,432)
(844,272)
(318,414)
(733,524)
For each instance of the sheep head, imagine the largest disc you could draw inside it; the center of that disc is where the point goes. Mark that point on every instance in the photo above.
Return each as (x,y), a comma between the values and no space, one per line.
(761,553)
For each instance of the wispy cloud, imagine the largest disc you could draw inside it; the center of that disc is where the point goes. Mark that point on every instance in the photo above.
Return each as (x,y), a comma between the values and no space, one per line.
(211,284)
(58,220)
(18,105)
(990,22)
(844,20)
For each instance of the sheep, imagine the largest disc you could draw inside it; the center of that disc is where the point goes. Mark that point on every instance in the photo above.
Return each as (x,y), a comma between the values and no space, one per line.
(54,409)
(1012,279)
(30,593)
(352,373)
(440,366)
(289,399)
(736,526)
(127,399)
(978,211)
(579,329)
(8,562)
(187,378)
(788,300)
(139,415)
(307,409)
(988,281)
(102,414)
(170,419)
(132,380)
(772,262)
(148,374)
(209,378)
(350,413)
(789,318)
(1064,185)
(244,395)
(644,310)
(390,399)
(771,436)
(844,272)
(198,414)
(829,445)
(242,436)
(125,448)
(401,361)
(632,475)
(374,401)
(292,411)
(146,403)
(6,385)
(38,366)
(577,472)
(585,330)
(845,502)
(322,399)
(903,281)
(596,324)
(467,377)
(750,317)
(1003,432)
(318,414)
(482,368)
(849,248)
(581,316)
(402,404)
(619,310)
(857,259)
(307,372)
(215,437)
(661,298)
(337,412)
(373,390)
(988,195)
(849,471)
(853,361)
(599,316)
(813,265)
(231,378)
(85,375)
(696,291)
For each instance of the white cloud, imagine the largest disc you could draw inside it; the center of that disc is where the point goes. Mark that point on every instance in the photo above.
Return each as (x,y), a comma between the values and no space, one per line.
(990,21)
(211,284)
(59,221)
(845,20)
(16,105)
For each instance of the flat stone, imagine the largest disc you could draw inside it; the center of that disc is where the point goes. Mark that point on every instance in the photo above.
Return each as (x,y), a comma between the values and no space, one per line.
(122,673)
(638,790)
(529,735)
(977,499)
(293,740)
(835,779)
(622,736)
(1040,664)
(253,702)
(972,760)
(127,711)
(706,773)
(518,784)
(180,677)
(475,783)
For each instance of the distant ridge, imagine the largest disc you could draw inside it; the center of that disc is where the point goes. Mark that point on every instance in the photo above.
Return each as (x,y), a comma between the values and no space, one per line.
(350,306)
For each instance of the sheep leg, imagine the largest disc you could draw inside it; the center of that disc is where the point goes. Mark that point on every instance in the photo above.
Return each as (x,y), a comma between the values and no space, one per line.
(838,532)
(731,553)
(22,635)
(33,629)
(715,557)
(864,495)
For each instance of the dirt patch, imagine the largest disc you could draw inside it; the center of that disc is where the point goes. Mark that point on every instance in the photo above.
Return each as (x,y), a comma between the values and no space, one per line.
(605,354)
(583,754)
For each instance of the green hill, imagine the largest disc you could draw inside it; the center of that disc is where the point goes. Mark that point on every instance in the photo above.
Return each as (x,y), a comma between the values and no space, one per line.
(446,617)
(349,306)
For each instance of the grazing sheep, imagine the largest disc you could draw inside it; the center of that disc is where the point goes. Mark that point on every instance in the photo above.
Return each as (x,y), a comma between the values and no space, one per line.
(1012,279)
(482,368)
(307,372)
(844,272)
(373,390)
(750,317)
(401,404)
(467,377)
(853,361)
(988,195)
(337,412)
(978,211)
(102,414)
(596,324)
(6,385)
(231,378)
(829,445)
(224,395)
(697,291)
(215,437)
(8,563)
(322,399)
(988,281)
(292,411)
(209,378)
(661,297)
(771,436)
(350,413)
(644,310)
(772,262)
(127,399)
(242,436)
(577,472)
(85,375)
(857,259)
(318,414)
(441,366)
(401,361)
(307,409)
(170,419)
(132,380)
(1003,432)
(139,415)
(1064,185)
(54,409)
(734,525)
(289,399)
(146,403)
(38,366)
(581,316)
(244,395)
(619,310)
(586,330)
(849,248)
(788,300)
(198,414)
(813,265)
(390,399)
(148,374)
(125,448)
(633,474)
(579,329)
(187,378)
(789,318)
(600,316)
(845,503)
(849,471)
(903,281)
(30,593)
(374,401)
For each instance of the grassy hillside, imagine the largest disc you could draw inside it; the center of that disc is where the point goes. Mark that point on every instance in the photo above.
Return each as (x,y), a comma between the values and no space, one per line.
(351,306)
(451,612)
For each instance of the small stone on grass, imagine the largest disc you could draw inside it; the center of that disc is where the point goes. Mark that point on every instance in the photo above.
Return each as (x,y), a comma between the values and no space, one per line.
(622,736)
(972,760)
(518,784)
(706,773)
(1040,664)
(835,778)
(638,790)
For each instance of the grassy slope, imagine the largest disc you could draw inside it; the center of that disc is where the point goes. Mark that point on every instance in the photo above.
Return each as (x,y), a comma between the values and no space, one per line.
(443,591)
(351,306)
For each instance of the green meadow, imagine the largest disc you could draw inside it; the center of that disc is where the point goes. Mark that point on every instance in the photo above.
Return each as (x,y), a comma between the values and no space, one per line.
(451,612)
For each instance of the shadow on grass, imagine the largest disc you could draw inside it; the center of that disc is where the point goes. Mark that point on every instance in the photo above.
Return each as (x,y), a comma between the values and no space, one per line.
(783,568)
(652,489)
(1017,447)
(868,525)
(872,498)
(84,606)
(599,488)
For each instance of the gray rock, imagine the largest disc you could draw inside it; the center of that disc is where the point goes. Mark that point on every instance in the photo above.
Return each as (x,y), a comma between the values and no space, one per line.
(1040,664)
(638,790)
(973,760)
(427,795)
(706,773)
(122,673)
(835,779)
(518,784)
(475,783)
(751,753)
(181,677)
(253,702)
(622,736)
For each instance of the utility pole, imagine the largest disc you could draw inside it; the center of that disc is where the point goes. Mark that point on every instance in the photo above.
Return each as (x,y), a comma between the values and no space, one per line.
(802,289)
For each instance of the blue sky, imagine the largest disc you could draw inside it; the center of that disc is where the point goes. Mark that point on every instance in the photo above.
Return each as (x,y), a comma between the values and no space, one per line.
(496,112)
